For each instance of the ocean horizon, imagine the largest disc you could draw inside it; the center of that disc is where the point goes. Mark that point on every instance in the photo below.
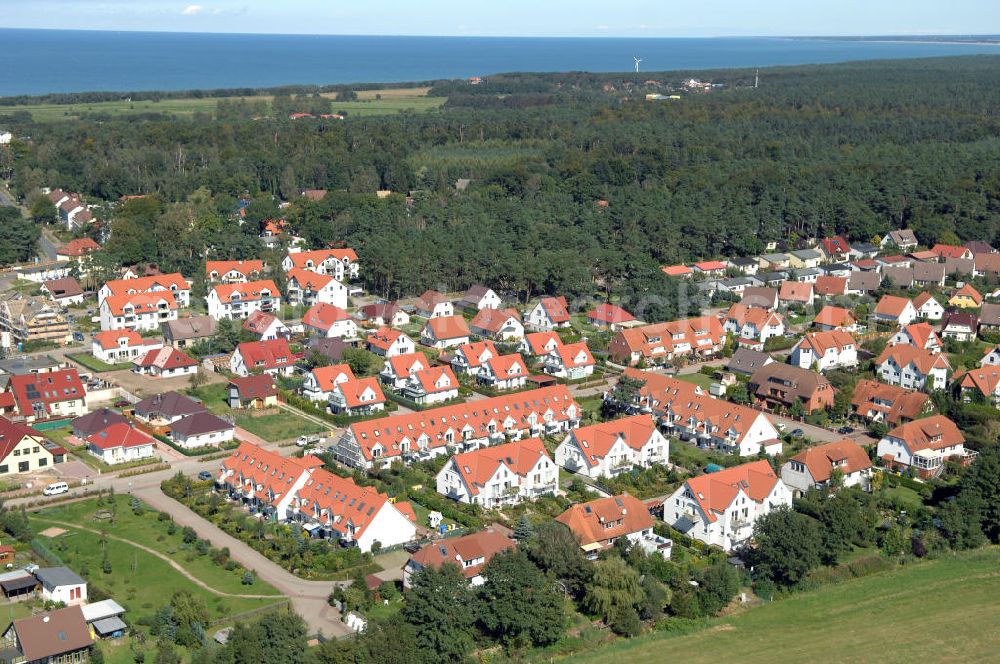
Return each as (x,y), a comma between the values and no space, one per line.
(64,61)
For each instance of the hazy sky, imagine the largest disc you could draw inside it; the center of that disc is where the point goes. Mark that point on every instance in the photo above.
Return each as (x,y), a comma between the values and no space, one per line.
(628,18)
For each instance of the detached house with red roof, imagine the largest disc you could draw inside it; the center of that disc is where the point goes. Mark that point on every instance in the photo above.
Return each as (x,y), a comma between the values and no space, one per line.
(966,297)
(25,450)
(894,310)
(815,467)
(320,382)
(480,297)
(360,396)
(943,251)
(537,344)
(721,508)
(921,335)
(498,324)
(174,284)
(266,326)
(118,346)
(796,292)
(396,371)
(928,307)
(341,264)
(306,288)
(329,321)
(166,362)
(77,249)
(570,361)
(982,383)
(504,372)
(598,523)
(924,445)
(273,357)
(709,268)
(500,475)
(387,314)
(387,342)
(470,552)
(835,318)
(234,272)
(548,314)
(835,249)
(877,402)
(753,325)
(609,316)
(835,349)
(913,368)
(433,304)
(470,358)
(610,448)
(238,301)
(120,443)
(49,395)
(433,385)
(445,332)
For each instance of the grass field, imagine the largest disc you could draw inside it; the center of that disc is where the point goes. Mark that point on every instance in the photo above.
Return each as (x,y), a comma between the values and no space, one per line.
(272,428)
(940,611)
(392,101)
(88,361)
(139,580)
(699,379)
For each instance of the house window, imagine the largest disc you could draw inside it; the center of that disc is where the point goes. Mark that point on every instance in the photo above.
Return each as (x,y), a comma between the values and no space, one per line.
(4,469)
(22,467)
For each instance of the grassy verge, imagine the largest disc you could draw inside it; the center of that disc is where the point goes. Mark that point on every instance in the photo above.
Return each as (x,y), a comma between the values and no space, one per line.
(959,625)
(139,580)
(88,361)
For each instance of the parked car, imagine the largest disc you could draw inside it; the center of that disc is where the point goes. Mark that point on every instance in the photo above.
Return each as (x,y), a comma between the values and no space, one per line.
(798,433)
(302,441)
(55,489)
(78,336)
(122,403)
(204,475)
(845,430)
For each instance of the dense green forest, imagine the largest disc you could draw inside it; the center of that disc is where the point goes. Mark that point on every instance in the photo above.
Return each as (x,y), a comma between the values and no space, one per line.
(857,148)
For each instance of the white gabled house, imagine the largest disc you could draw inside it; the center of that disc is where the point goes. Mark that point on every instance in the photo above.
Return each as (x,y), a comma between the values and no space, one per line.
(341,264)
(433,304)
(720,508)
(470,358)
(924,445)
(431,386)
(387,342)
(570,361)
(137,311)
(814,467)
(913,368)
(834,349)
(504,372)
(445,332)
(319,383)
(610,448)
(306,288)
(500,475)
(548,314)
(397,370)
(119,346)
(238,301)
(361,396)
(329,321)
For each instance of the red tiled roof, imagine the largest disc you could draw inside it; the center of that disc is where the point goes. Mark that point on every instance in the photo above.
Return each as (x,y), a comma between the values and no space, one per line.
(329,376)
(845,455)
(246,268)
(610,313)
(339,503)
(484,544)
(158,282)
(895,403)
(431,377)
(308,280)
(505,367)
(520,409)
(258,322)
(109,339)
(934,432)
(269,354)
(383,337)
(254,466)
(493,320)
(448,327)
(590,521)
(477,467)
(676,270)
(477,352)
(714,492)
(119,435)
(255,387)
(166,358)
(905,354)
(45,388)
(78,247)
(323,316)
(140,303)
(405,364)
(12,433)
(556,308)
(596,440)
(834,317)
(891,305)
(828,285)
(353,390)
(250,291)
(303,259)
(537,341)
(835,245)
(575,355)
(795,291)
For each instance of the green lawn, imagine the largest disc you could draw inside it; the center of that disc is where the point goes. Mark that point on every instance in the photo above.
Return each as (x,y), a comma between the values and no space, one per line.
(139,580)
(272,428)
(906,496)
(88,361)
(942,611)
(699,379)
(392,101)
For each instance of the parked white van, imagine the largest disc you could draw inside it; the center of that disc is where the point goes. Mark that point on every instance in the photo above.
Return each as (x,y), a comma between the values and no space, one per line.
(55,489)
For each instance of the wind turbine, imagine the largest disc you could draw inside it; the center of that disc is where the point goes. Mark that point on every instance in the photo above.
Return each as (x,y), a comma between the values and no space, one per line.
(637,61)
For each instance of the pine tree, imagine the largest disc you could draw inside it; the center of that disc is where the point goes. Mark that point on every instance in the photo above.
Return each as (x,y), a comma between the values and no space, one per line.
(524,530)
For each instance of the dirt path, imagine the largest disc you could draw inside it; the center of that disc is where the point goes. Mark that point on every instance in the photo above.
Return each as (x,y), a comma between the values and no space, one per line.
(159,555)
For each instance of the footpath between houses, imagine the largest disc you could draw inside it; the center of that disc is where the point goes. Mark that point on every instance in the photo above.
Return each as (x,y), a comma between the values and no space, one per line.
(309,598)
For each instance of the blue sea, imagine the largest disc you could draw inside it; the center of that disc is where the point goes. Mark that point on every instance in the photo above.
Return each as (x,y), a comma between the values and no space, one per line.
(48,61)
